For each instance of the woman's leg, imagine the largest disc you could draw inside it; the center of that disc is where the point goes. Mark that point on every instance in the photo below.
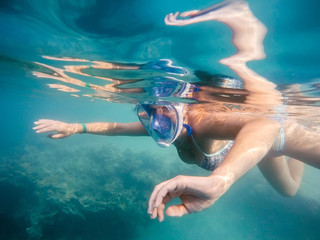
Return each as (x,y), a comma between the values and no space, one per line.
(302,143)
(283,173)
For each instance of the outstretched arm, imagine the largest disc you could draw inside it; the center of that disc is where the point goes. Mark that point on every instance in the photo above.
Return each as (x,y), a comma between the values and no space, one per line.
(63,129)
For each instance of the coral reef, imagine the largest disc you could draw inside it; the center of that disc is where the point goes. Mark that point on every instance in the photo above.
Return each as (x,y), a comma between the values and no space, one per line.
(61,193)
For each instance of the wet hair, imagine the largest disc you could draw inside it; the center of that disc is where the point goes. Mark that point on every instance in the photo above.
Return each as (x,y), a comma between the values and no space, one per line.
(218,80)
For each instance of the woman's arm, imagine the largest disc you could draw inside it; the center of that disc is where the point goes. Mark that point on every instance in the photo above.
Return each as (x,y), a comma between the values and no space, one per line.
(248,35)
(252,143)
(117,129)
(63,129)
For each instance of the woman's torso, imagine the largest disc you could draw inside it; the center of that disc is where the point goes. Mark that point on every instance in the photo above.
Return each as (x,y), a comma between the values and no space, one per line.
(211,132)
(210,135)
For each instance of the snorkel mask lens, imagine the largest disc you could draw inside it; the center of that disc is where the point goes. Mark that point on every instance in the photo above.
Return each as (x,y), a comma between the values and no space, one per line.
(161,121)
(162,125)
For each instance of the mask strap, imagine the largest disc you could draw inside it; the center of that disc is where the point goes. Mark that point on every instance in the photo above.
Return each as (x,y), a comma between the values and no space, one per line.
(188,128)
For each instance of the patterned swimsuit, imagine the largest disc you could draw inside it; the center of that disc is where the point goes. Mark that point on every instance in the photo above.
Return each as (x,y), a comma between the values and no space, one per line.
(213,160)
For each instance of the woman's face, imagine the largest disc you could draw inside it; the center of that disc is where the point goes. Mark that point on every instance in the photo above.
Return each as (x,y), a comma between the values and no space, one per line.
(166,112)
(161,121)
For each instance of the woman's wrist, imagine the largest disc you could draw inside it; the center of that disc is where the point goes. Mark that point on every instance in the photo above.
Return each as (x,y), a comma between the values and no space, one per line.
(102,128)
(84,127)
(79,128)
(227,176)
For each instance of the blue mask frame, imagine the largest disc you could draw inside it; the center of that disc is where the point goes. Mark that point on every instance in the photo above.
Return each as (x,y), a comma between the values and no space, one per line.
(163,129)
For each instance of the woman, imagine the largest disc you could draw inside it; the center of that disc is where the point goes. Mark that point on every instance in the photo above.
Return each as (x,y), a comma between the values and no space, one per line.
(193,128)
(229,144)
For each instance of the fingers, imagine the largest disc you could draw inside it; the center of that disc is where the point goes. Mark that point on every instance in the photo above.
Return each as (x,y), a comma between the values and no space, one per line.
(161,212)
(172,211)
(62,129)
(188,13)
(172,186)
(167,19)
(171,19)
(45,121)
(154,214)
(177,210)
(45,125)
(44,128)
(162,194)
(57,136)
(153,196)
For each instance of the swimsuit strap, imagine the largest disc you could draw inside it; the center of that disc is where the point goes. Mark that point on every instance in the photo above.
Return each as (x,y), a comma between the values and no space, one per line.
(213,160)
(279,143)
(190,131)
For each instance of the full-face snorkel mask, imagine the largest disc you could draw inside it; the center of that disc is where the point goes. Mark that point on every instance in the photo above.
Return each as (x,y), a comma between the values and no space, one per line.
(163,122)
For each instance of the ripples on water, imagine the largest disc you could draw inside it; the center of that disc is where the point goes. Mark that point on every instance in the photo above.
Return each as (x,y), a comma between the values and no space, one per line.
(73,33)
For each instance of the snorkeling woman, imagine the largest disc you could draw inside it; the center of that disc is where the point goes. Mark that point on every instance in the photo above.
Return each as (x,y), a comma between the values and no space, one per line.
(193,129)
(228,144)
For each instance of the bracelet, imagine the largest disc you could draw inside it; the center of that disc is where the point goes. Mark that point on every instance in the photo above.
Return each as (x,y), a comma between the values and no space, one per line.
(84,128)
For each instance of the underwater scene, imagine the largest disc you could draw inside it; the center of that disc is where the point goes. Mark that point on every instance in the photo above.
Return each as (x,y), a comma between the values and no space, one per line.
(102,101)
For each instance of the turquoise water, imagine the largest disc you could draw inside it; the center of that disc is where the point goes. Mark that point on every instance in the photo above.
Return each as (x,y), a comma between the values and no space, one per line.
(97,187)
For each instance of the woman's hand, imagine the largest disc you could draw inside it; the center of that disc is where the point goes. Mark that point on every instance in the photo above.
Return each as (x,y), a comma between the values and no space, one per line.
(172,19)
(62,129)
(195,193)
(221,12)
